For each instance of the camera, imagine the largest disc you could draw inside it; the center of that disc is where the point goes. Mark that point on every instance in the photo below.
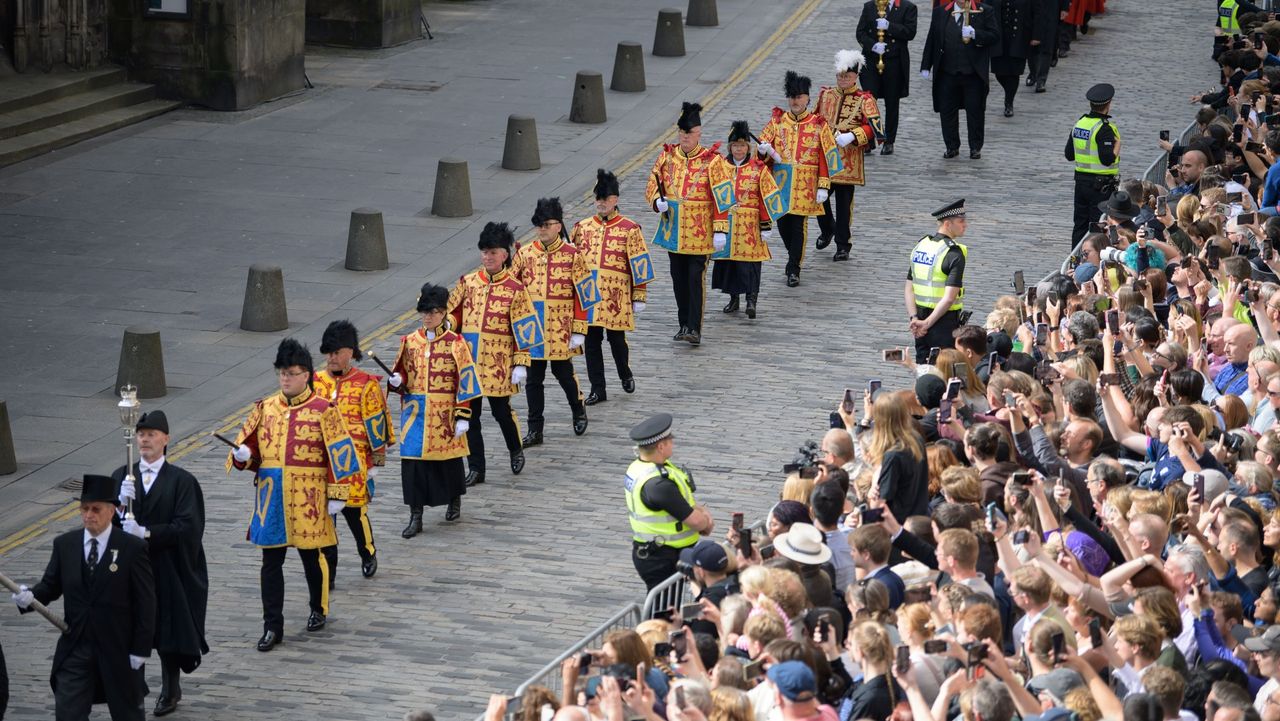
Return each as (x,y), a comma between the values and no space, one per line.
(807,456)
(975,652)
(684,569)
(1112,255)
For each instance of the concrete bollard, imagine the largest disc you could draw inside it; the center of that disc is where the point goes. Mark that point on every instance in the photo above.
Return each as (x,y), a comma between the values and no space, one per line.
(628,68)
(702,14)
(264,309)
(588,98)
(452,197)
(8,456)
(366,241)
(521,150)
(668,39)
(142,362)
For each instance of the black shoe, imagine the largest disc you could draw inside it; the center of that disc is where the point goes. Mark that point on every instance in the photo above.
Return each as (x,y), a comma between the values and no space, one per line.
(751,306)
(270,640)
(694,337)
(415,523)
(680,334)
(1008,110)
(732,305)
(165,705)
(1040,88)
(454,511)
(628,385)
(1030,81)
(793,280)
(170,690)
(823,241)
(517,462)
(886,149)
(840,255)
(474,478)
(533,438)
(580,422)
(1062,53)
(594,398)
(975,154)
(316,621)
(951,153)
(370,566)
(1053,63)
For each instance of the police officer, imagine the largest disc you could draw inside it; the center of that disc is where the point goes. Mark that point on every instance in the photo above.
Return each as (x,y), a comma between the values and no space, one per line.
(1094,146)
(665,517)
(935,284)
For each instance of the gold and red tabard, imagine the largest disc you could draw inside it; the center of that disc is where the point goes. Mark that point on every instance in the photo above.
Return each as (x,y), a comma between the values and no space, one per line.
(688,183)
(752,183)
(494,316)
(808,151)
(616,261)
(439,382)
(358,397)
(549,273)
(303,458)
(850,111)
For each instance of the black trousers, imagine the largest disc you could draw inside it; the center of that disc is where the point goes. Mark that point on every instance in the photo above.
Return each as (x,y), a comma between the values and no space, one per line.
(75,683)
(4,684)
(689,281)
(316,568)
(533,389)
(965,89)
(890,118)
(1039,61)
(793,229)
(594,353)
(1089,192)
(841,225)
(658,566)
(939,335)
(361,530)
(1010,85)
(500,409)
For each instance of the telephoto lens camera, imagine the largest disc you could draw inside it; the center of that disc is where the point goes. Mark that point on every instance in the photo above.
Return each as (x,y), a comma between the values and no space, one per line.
(1112,255)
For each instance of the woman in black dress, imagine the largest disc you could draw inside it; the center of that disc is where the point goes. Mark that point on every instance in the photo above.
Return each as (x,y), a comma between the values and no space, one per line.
(876,694)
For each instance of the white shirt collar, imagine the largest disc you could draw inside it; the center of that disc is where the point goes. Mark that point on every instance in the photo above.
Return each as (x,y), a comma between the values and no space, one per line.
(102,541)
(143,466)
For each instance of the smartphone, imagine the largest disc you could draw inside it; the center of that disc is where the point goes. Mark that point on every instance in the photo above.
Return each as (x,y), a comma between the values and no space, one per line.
(1162,204)
(1021,537)
(1019,282)
(753,669)
(1031,295)
(892,355)
(824,630)
(944,411)
(960,370)
(933,355)
(1042,334)
(871,515)
(1246,219)
(1235,198)
(680,702)
(1164,135)
(903,661)
(1253,147)
(1113,234)
(1009,400)
(1109,379)
(975,653)
(991,517)
(1059,641)
(1095,633)
(1246,110)
(584,662)
(1021,478)
(1199,486)
(873,387)
(1244,293)
(1213,255)
(690,611)
(936,646)
(738,520)
(679,645)
(1113,322)
(993,362)
(953,389)
(662,650)
(847,403)
(744,542)
(515,705)
(1237,133)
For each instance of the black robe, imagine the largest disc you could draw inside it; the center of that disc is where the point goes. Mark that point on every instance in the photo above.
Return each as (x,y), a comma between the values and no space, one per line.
(115,614)
(976,55)
(1009,57)
(896,79)
(173,511)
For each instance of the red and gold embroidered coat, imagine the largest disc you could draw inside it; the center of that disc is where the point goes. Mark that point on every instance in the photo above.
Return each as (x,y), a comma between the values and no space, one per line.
(808,146)
(440,380)
(689,179)
(850,111)
(617,260)
(549,274)
(494,316)
(752,182)
(358,397)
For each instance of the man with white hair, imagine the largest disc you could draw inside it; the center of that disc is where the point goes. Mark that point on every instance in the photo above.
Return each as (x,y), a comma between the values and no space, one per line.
(1217,342)
(853,116)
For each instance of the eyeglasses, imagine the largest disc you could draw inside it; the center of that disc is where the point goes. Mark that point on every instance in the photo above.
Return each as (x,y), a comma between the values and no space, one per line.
(549,224)
(292,374)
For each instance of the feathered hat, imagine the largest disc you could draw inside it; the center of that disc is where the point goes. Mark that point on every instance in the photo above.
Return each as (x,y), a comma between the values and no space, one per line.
(341,334)
(606,184)
(850,61)
(292,353)
(690,116)
(432,297)
(796,84)
(548,209)
(739,131)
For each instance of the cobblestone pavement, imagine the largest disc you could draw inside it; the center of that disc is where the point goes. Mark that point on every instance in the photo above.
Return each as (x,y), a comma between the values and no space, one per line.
(541,558)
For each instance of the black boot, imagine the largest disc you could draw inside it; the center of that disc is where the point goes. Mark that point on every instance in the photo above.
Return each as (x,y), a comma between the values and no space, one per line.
(533,437)
(732,305)
(415,523)
(170,689)
(751,305)
(579,420)
(454,511)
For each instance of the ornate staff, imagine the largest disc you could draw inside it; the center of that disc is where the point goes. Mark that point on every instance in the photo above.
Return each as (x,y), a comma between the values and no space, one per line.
(965,12)
(128,407)
(882,9)
(39,608)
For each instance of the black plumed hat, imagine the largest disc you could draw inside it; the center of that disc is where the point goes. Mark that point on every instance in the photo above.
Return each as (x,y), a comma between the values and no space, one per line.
(795,84)
(606,184)
(292,353)
(341,334)
(548,209)
(496,235)
(739,131)
(690,116)
(432,297)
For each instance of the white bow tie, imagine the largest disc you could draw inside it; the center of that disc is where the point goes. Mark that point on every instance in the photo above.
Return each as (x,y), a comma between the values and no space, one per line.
(146,468)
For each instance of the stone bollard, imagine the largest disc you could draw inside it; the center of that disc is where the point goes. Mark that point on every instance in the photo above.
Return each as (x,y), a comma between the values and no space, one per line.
(142,362)
(366,241)
(452,197)
(264,310)
(702,13)
(8,457)
(588,98)
(521,150)
(628,68)
(668,39)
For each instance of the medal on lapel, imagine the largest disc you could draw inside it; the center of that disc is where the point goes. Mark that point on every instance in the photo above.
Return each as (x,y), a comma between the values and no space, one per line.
(115,553)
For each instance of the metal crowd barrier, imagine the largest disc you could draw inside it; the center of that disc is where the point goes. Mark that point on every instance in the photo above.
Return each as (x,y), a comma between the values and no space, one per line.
(665,596)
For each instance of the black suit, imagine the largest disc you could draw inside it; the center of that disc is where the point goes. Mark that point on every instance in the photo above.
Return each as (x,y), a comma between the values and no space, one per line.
(1044,28)
(111,613)
(895,82)
(961,71)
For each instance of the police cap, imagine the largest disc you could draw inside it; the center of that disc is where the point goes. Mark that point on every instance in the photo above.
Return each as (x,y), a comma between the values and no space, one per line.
(652,429)
(1100,93)
(950,211)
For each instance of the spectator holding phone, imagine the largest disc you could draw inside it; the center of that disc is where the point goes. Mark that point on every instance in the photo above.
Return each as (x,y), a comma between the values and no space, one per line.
(897,449)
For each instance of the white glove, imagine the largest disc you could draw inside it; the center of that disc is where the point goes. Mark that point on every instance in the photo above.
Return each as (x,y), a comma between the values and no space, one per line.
(336,505)
(879,48)
(23,597)
(765,149)
(843,139)
(576,340)
(128,491)
(242,454)
(822,195)
(373,471)
(460,427)
(968,32)
(132,528)
(767,235)
(518,374)
(395,380)
(661,205)
(882,24)
(924,74)
(136,662)
(637,306)
(718,240)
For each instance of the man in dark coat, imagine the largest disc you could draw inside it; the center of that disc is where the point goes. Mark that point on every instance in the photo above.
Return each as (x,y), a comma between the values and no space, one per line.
(957,55)
(168,506)
(1044,40)
(109,602)
(893,83)
(1009,57)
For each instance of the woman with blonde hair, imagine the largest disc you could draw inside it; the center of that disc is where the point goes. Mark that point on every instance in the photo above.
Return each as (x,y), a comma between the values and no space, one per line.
(730,704)
(897,449)
(798,488)
(974,392)
(877,694)
(915,626)
(960,484)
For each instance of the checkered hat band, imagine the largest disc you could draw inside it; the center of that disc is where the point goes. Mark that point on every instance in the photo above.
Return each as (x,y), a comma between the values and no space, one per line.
(654,439)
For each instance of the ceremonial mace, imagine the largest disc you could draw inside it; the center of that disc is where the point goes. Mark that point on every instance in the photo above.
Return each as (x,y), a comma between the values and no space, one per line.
(882,9)
(966,10)
(128,407)
(40,608)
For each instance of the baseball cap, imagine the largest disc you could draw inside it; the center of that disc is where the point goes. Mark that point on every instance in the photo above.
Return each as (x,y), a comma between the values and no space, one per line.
(1267,642)
(794,680)
(1085,272)
(706,554)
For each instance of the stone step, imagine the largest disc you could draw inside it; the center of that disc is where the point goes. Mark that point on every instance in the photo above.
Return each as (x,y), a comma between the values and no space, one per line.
(72,107)
(26,89)
(26,146)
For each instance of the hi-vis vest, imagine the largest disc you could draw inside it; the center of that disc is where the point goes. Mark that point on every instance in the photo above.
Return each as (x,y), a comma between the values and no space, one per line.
(928,280)
(657,526)
(1229,17)
(1084,140)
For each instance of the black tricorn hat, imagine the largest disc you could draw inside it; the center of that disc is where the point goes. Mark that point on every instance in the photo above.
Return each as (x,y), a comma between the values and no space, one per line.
(690,116)
(496,235)
(739,131)
(548,209)
(606,184)
(796,84)
(432,297)
(292,353)
(155,421)
(341,334)
(97,489)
